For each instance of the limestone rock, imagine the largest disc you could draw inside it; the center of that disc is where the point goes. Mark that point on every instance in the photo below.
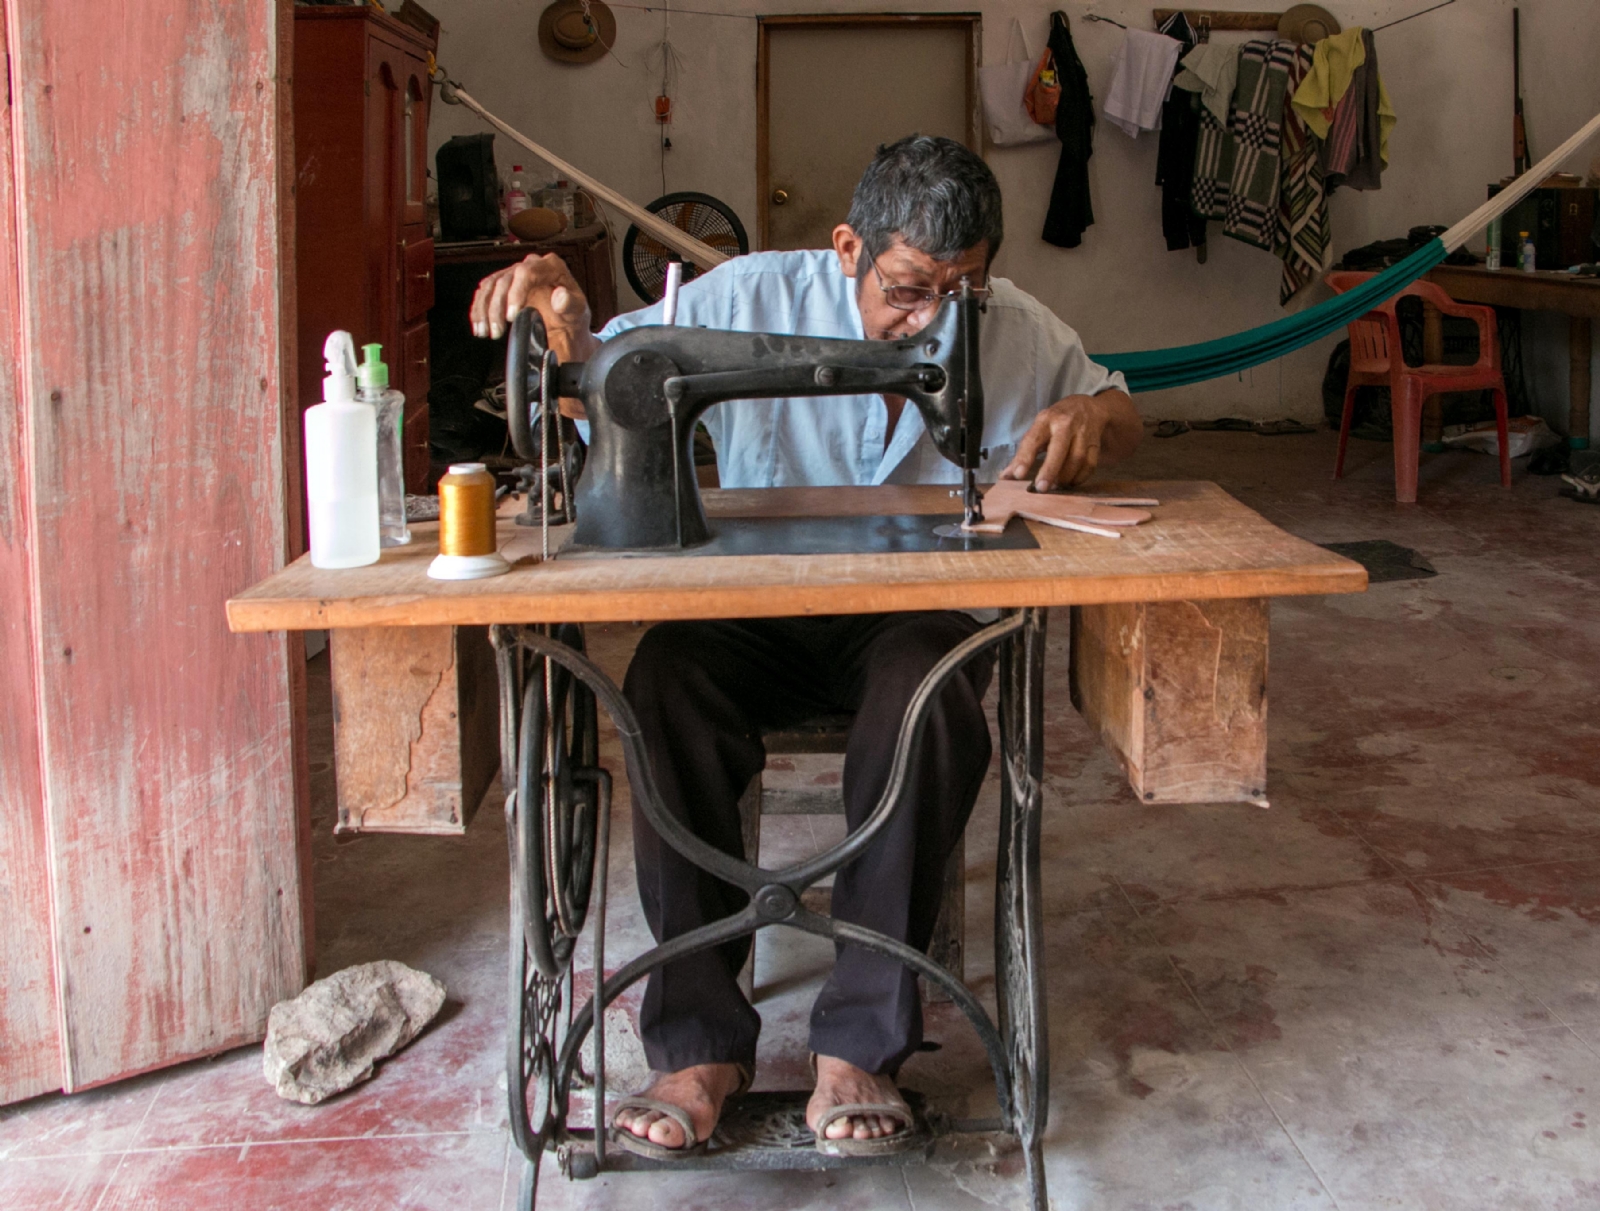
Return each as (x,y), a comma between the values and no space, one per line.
(330,1036)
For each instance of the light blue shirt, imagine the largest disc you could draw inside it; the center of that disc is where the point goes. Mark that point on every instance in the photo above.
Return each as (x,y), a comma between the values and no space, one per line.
(1029,360)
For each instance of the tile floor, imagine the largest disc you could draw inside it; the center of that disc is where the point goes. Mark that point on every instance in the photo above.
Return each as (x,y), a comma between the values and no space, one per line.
(1382,992)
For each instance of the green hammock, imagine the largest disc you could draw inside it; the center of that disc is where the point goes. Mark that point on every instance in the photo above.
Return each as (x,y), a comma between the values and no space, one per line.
(1153,369)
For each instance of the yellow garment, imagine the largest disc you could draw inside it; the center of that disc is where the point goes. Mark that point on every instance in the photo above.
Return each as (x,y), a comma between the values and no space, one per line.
(1333,65)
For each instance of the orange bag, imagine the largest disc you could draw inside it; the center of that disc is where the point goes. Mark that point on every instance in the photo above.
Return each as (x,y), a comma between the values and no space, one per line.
(1044,91)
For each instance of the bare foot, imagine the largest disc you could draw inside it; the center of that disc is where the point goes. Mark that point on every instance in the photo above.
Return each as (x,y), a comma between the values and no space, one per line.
(839,1084)
(699,1090)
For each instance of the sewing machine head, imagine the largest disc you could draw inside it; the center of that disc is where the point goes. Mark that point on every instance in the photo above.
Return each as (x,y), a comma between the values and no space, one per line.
(646,388)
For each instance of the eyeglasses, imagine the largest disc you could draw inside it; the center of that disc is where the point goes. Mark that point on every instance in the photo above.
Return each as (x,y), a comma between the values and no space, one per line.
(915,298)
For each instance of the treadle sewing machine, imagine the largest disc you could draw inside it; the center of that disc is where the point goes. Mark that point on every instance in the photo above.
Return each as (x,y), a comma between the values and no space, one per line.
(648,386)
(1207,564)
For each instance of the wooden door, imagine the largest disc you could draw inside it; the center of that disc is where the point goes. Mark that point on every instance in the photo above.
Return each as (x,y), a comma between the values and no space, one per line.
(149,772)
(30,1048)
(913,73)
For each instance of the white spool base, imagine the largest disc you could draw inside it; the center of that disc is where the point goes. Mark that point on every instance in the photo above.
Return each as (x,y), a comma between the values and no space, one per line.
(467,567)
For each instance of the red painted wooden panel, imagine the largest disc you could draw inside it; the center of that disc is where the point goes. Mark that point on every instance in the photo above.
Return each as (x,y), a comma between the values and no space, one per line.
(30,1055)
(147,149)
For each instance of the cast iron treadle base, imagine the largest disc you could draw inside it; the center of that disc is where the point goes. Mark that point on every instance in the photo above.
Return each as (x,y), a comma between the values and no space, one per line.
(768,1131)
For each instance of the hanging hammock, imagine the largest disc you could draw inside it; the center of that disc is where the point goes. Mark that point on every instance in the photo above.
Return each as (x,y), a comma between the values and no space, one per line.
(1154,369)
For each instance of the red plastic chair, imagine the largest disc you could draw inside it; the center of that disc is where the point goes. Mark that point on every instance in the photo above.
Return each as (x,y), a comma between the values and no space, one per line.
(1376,361)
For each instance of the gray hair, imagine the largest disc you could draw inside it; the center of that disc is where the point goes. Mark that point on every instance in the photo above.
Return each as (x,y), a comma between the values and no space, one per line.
(934,193)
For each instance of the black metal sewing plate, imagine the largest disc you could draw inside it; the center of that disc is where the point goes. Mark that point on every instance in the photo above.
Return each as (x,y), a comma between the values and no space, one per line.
(894,534)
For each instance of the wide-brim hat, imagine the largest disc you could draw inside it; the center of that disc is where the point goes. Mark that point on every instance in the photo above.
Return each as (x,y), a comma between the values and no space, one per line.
(1307,23)
(568,34)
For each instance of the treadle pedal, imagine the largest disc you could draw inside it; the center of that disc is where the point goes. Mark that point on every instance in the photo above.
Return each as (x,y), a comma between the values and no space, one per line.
(768,1131)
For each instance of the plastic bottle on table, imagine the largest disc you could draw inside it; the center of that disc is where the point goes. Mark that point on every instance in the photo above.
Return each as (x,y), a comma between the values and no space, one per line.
(390,409)
(1527,260)
(341,466)
(517,199)
(1491,252)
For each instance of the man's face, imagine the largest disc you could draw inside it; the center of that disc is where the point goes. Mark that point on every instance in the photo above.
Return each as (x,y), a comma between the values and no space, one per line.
(902,266)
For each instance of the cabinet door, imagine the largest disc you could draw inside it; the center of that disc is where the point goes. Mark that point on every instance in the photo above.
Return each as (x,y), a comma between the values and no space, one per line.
(414,380)
(382,166)
(414,140)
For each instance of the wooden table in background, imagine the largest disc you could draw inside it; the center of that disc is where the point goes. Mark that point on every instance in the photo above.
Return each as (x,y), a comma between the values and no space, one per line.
(1576,298)
(1169,663)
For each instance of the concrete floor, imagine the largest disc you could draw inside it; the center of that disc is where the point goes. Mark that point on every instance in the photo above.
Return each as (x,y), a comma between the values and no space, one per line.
(1382,992)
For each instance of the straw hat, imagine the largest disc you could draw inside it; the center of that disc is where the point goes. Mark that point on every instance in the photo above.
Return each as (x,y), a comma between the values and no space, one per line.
(1307,23)
(570,35)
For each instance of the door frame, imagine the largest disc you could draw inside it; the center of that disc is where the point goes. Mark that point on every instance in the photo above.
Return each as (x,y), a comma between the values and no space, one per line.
(971,22)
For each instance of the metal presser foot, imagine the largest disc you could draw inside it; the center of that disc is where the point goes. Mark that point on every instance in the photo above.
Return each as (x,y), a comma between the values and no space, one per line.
(971,508)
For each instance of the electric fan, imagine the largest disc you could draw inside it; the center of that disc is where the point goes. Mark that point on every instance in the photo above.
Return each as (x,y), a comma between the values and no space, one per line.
(645,260)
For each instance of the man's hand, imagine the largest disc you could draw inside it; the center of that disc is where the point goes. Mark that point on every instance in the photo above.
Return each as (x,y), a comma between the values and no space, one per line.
(545,284)
(1075,435)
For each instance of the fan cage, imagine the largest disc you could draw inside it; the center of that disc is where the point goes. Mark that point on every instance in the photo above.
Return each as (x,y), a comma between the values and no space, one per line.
(707,219)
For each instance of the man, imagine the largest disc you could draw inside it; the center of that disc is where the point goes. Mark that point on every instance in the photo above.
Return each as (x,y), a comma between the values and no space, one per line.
(925,216)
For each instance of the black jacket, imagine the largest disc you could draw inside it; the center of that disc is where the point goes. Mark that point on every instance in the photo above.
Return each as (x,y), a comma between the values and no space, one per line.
(1070,211)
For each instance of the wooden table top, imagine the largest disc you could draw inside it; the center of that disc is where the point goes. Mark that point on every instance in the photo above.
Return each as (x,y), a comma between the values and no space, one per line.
(1201,544)
(1540,291)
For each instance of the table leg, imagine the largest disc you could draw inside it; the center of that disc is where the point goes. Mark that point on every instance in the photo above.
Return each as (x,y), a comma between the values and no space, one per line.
(1580,349)
(1019,958)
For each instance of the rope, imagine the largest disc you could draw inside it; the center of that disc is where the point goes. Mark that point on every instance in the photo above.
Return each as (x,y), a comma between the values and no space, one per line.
(675,238)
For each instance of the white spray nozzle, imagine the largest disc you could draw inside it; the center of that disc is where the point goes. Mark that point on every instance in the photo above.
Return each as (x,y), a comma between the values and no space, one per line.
(339,357)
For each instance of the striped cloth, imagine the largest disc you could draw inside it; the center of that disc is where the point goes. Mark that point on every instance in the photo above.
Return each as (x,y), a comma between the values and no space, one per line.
(1303,233)
(1256,128)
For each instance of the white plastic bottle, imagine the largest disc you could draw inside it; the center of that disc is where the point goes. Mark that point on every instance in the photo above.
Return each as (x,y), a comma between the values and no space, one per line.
(517,199)
(1528,261)
(341,466)
(373,380)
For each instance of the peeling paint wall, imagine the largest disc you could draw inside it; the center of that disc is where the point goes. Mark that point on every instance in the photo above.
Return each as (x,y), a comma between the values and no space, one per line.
(1448,73)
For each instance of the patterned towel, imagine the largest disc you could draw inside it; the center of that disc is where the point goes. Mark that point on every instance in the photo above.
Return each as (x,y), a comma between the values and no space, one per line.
(1256,128)
(1303,234)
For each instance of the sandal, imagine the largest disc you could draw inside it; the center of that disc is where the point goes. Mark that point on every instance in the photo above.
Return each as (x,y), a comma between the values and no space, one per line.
(640,1146)
(903,1140)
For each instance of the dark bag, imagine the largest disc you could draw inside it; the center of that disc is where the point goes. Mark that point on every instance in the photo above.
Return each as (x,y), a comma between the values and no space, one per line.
(469,188)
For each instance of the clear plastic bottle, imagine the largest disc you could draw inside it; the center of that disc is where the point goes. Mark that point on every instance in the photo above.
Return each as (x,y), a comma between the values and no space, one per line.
(517,199)
(564,200)
(1491,256)
(390,407)
(1528,259)
(341,466)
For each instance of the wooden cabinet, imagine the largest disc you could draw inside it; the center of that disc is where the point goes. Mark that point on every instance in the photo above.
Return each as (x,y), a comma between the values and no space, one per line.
(364,255)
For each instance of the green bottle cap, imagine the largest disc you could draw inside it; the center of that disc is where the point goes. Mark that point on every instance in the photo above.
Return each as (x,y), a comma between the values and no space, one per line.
(372,374)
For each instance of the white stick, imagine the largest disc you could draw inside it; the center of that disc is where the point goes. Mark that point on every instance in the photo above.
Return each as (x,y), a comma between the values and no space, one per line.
(675,238)
(669,295)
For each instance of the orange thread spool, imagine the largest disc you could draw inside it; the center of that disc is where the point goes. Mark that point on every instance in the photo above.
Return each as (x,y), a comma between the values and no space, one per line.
(466,511)
(467,546)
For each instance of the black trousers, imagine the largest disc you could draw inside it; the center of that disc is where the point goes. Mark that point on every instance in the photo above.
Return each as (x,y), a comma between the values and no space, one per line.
(702,692)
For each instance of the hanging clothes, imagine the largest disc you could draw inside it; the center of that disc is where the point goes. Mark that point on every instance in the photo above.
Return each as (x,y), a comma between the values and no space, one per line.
(1180,134)
(1303,231)
(1344,103)
(1212,70)
(1238,174)
(1140,79)
(1070,212)
(1357,148)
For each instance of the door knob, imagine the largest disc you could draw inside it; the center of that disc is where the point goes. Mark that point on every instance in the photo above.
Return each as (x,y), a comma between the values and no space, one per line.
(780,196)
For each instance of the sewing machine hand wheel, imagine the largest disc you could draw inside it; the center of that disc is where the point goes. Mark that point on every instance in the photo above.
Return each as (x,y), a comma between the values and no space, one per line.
(526,362)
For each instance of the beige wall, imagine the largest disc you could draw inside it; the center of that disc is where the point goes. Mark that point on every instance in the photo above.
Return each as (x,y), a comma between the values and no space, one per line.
(1448,74)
